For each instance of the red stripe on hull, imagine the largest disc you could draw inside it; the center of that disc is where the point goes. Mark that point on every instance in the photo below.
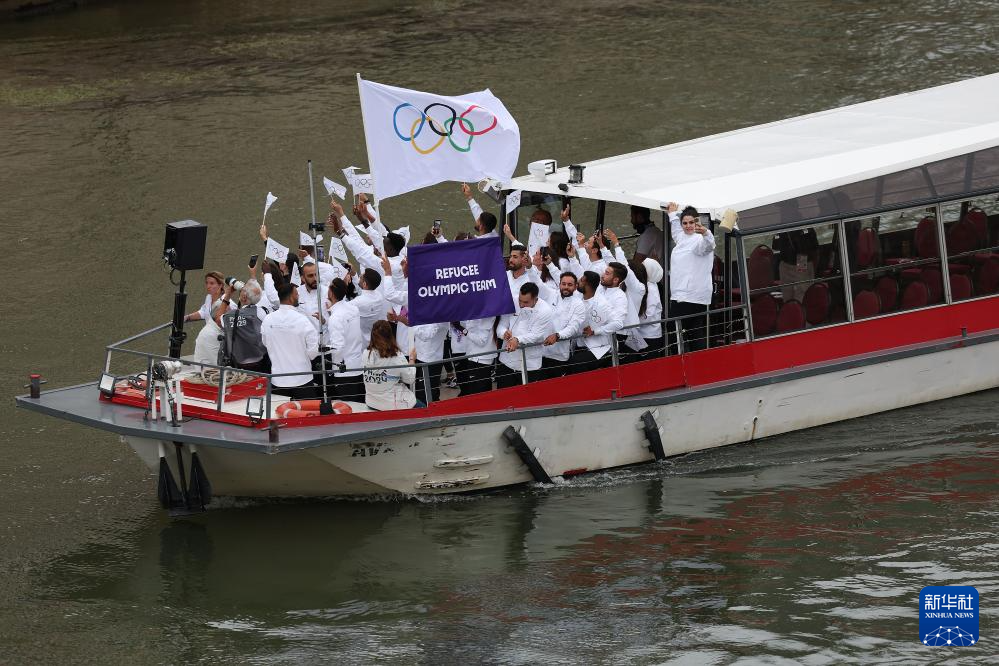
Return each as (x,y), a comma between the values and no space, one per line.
(731,362)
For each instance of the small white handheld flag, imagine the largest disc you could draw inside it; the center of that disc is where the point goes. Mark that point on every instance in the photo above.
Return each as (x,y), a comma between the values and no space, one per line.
(333,187)
(416,139)
(306,240)
(363,183)
(348,173)
(513,200)
(267,205)
(538,238)
(276,251)
(337,250)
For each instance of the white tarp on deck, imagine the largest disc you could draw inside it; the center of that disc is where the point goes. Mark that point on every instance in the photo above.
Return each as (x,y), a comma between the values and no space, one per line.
(768,163)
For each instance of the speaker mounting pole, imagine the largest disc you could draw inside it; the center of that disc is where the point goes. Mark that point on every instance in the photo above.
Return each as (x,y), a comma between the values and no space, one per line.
(177,334)
(183,250)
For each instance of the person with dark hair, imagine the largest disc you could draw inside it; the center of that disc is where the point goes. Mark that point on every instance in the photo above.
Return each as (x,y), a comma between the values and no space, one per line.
(568,319)
(650,237)
(589,254)
(485,223)
(388,374)
(690,282)
(611,289)
(601,322)
(272,276)
(531,324)
(308,255)
(521,272)
(346,342)
(309,295)
(392,245)
(631,342)
(551,261)
(292,342)
(395,290)
(370,304)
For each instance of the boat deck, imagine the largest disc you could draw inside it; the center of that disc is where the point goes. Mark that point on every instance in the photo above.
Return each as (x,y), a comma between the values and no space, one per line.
(81,404)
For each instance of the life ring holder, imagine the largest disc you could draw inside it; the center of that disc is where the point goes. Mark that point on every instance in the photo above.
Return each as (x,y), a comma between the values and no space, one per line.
(298,409)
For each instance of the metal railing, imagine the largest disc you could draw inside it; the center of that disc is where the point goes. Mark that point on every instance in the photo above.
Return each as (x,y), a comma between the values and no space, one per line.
(677,339)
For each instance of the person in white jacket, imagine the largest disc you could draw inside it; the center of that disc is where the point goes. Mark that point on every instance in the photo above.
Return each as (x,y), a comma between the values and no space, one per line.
(532,324)
(602,321)
(370,303)
(485,223)
(343,332)
(427,346)
(632,343)
(479,342)
(569,317)
(292,342)
(388,375)
(690,267)
(652,329)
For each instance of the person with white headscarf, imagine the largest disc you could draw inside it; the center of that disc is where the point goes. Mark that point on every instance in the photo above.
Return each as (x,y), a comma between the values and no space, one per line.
(652,328)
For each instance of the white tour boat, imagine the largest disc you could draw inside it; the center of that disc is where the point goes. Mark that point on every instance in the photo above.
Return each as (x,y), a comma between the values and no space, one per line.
(862,276)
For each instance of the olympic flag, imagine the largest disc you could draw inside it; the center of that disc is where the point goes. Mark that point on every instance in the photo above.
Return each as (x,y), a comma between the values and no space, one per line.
(416,139)
(457,281)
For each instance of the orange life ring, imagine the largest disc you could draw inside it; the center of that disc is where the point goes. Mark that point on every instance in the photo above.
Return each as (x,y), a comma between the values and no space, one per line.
(298,409)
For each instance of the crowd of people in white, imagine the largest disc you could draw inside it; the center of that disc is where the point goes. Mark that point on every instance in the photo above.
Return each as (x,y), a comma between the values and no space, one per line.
(571,297)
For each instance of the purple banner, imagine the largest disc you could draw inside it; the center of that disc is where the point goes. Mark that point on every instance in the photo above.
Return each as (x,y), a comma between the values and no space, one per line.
(457,281)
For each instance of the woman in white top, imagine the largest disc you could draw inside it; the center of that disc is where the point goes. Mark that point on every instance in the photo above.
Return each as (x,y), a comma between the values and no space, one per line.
(387,387)
(690,265)
(207,342)
(213,292)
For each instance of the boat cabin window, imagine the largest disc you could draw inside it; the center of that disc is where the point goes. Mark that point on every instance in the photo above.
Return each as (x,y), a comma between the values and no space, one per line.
(795,279)
(894,260)
(632,231)
(530,203)
(971,232)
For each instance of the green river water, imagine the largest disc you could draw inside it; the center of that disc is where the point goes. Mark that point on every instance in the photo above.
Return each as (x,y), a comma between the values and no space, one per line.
(119,117)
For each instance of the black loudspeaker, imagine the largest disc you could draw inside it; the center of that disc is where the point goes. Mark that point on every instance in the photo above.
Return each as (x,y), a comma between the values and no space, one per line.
(184,246)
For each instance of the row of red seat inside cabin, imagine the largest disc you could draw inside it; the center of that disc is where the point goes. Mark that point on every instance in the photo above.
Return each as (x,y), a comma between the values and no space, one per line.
(971,273)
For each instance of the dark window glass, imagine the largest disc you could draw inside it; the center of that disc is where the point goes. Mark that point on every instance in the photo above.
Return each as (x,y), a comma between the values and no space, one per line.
(952,176)
(795,279)
(894,262)
(971,231)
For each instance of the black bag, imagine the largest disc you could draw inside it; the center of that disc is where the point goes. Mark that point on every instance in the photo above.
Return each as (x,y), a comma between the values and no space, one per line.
(242,344)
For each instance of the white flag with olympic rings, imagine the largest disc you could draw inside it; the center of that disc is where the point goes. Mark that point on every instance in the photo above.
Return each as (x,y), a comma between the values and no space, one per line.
(416,139)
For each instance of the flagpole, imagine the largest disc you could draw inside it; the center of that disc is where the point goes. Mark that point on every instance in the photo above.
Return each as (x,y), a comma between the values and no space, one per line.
(263,223)
(367,146)
(319,284)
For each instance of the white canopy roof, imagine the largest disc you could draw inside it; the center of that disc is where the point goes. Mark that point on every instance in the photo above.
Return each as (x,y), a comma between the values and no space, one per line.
(769,163)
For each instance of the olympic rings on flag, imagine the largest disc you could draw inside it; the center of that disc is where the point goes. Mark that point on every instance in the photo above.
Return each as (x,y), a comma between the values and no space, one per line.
(444,130)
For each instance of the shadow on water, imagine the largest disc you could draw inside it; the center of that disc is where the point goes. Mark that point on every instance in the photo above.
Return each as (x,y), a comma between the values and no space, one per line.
(814,543)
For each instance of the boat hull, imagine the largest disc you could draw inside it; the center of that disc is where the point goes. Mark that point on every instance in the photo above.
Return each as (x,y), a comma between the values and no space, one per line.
(461,457)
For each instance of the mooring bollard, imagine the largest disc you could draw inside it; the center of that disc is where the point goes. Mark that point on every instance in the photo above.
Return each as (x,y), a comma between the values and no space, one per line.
(36,386)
